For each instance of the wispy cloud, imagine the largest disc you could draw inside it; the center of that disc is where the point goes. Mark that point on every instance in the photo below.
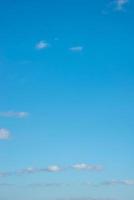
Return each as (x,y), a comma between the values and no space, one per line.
(116,6)
(47,185)
(14,114)
(6,185)
(33,170)
(87,167)
(28,170)
(76,49)
(86,198)
(4,134)
(5,174)
(42,45)
(120,4)
(118,182)
(51,169)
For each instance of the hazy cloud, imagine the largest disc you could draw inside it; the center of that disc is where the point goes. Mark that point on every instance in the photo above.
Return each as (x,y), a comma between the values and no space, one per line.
(118,182)
(86,198)
(28,170)
(76,49)
(115,5)
(33,170)
(87,167)
(5,174)
(47,185)
(6,185)
(14,114)
(120,4)
(4,134)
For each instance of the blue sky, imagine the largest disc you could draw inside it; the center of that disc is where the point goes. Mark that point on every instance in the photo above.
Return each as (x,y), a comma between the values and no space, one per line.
(66,100)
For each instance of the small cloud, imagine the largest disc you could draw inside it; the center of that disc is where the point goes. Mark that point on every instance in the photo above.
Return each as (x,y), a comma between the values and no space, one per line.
(76,49)
(87,167)
(53,168)
(14,114)
(4,134)
(42,45)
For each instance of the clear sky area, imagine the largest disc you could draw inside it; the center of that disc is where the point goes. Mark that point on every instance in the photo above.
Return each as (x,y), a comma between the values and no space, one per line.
(66,100)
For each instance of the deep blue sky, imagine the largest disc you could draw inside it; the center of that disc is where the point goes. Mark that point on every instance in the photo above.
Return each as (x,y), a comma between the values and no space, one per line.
(66,100)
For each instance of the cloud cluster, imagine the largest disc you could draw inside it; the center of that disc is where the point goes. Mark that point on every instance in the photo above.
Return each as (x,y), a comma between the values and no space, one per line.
(52,169)
(44,45)
(4,134)
(14,114)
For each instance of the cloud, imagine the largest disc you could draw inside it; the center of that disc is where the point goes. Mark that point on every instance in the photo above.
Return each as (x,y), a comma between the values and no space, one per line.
(14,114)
(116,6)
(54,168)
(86,198)
(6,185)
(87,167)
(3,174)
(119,182)
(33,170)
(47,185)
(4,134)
(120,4)
(28,170)
(42,45)
(76,49)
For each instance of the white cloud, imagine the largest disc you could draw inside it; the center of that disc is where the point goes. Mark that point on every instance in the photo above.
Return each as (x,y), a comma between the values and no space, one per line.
(53,168)
(76,49)
(87,167)
(42,45)
(14,114)
(4,134)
